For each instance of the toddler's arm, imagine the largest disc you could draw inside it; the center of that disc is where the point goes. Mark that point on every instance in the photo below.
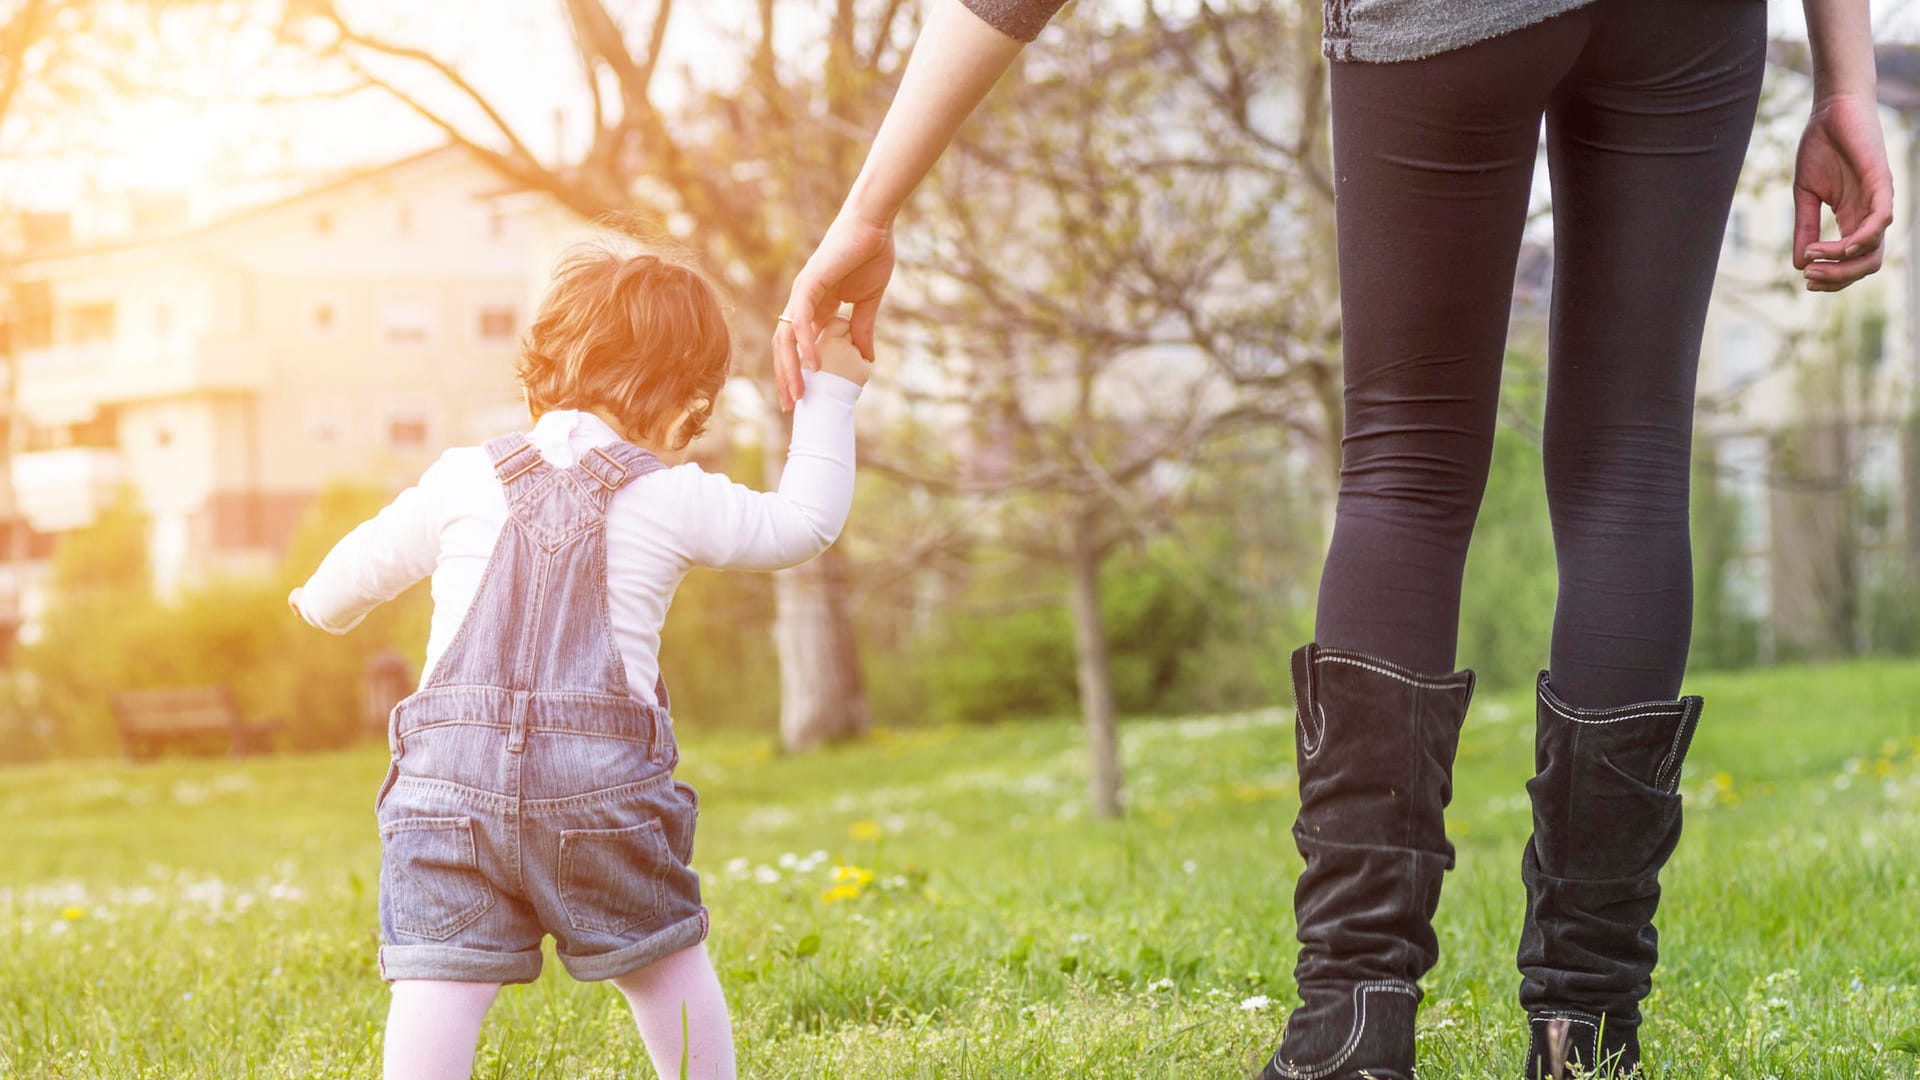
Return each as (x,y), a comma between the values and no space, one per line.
(739,528)
(375,562)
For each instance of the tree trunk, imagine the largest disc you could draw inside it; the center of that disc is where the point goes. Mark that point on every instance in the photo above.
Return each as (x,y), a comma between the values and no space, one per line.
(1096,678)
(823,695)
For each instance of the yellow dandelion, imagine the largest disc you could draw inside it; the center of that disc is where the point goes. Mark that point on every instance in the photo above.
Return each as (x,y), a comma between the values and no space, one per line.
(865,830)
(855,874)
(1882,767)
(1723,781)
(73,913)
(848,891)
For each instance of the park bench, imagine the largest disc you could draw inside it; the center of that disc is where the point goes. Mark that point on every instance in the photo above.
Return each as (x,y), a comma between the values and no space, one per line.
(196,716)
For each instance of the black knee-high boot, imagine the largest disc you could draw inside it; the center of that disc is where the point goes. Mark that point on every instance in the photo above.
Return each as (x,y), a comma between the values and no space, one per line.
(1606,815)
(1375,748)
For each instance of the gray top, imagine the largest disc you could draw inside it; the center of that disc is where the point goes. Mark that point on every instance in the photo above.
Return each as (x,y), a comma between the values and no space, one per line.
(1021,19)
(1373,31)
(1382,31)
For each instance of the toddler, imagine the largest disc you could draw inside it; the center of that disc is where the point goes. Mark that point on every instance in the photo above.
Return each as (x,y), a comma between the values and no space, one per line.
(531,790)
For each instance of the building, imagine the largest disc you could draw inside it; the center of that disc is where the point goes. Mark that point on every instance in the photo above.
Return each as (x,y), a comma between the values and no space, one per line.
(229,371)
(1807,399)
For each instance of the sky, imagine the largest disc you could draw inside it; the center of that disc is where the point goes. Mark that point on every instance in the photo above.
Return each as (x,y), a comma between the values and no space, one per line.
(516,50)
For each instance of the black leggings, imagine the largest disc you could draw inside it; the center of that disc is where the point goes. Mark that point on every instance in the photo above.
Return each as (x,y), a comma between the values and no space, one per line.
(1649,105)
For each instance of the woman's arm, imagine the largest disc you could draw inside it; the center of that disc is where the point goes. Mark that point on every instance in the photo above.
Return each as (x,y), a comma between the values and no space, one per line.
(1842,161)
(959,56)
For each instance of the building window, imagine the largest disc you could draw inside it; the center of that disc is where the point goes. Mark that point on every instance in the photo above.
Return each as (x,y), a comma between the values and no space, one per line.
(327,419)
(1746,463)
(407,432)
(33,306)
(410,428)
(406,321)
(324,317)
(498,322)
(1745,352)
(1737,238)
(90,323)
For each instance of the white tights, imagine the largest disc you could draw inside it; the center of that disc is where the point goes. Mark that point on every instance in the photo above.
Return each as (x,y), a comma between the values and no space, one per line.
(433,1027)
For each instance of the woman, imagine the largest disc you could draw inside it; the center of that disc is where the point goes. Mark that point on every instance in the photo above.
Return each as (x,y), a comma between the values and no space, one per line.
(1437,110)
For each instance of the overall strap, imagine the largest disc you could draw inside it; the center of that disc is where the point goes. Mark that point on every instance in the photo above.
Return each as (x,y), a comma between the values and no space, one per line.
(516,462)
(616,463)
(613,465)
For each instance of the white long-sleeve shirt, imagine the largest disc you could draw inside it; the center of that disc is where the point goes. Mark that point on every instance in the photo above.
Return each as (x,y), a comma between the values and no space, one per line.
(658,527)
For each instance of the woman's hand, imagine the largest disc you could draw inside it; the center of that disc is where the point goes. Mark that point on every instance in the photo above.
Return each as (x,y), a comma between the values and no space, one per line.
(1842,163)
(852,265)
(953,65)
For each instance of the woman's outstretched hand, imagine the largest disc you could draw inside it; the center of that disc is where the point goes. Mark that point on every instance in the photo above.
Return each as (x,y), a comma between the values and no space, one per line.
(1842,163)
(852,265)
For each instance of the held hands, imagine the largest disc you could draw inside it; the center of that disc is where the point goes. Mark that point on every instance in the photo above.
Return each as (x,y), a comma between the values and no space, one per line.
(853,264)
(838,355)
(1842,163)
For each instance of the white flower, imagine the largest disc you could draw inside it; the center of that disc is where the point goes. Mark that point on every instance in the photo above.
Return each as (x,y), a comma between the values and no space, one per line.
(789,861)
(1256,1003)
(766,875)
(1190,866)
(1160,984)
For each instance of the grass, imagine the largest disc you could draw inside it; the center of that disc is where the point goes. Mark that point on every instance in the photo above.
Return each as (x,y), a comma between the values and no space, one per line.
(217,918)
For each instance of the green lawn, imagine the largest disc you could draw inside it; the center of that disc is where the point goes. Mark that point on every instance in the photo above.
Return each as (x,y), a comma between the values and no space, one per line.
(217,918)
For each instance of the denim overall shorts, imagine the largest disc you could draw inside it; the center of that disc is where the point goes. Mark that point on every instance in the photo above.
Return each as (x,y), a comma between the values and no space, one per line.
(531,792)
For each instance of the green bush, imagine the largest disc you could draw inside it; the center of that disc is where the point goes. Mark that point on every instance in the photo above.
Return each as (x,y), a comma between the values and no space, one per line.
(1506,603)
(1177,642)
(104,632)
(717,652)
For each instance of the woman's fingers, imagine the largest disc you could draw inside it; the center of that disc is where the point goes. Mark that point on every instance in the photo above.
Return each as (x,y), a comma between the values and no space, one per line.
(1832,265)
(1867,236)
(865,314)
(786,364)
(793,349)
(1806,228)
(1837,275)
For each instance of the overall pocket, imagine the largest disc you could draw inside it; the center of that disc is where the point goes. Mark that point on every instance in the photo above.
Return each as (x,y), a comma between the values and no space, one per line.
(435,888)
(610,878)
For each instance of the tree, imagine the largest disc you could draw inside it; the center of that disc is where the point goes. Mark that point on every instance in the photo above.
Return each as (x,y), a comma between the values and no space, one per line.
(746,175)
(1107,282)
(23,26)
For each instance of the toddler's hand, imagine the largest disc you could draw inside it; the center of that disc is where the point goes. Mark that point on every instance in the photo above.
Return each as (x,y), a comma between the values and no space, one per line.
(838,355)
(293,601)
